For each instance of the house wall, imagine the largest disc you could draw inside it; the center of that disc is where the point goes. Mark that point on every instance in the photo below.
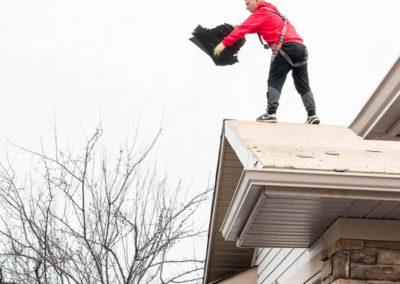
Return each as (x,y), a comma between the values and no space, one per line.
(365,251)
(288,265)
(361,260)
(247,277)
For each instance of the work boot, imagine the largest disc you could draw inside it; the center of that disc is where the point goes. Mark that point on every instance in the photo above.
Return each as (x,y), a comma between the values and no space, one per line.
(271,118)
(314,119)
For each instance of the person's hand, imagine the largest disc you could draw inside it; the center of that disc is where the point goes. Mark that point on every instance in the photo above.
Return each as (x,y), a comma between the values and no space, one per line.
(218,49)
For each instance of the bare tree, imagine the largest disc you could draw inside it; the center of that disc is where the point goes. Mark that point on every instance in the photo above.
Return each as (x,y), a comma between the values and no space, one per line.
(94,217)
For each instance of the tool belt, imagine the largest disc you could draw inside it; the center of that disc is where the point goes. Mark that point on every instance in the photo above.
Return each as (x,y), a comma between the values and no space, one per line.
(276,48)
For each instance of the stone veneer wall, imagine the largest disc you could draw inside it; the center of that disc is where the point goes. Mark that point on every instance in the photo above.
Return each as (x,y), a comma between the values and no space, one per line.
(361,262)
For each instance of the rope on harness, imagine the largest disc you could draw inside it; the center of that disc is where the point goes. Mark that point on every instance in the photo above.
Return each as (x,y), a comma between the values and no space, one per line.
(276,48)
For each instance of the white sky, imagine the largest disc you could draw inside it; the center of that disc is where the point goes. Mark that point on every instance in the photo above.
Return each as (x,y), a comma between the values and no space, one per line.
(130,63)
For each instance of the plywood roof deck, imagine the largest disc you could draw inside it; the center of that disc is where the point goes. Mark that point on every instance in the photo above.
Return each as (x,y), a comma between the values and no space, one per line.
(316,147)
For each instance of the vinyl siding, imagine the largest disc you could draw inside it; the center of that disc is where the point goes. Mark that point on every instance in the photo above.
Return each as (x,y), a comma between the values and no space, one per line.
(288,265)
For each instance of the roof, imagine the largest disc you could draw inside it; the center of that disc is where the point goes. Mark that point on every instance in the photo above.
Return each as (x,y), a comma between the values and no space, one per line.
(314,147)
(380,117)
(255,153)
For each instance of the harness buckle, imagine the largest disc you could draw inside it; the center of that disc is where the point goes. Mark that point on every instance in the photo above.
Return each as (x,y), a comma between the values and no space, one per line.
(273,56)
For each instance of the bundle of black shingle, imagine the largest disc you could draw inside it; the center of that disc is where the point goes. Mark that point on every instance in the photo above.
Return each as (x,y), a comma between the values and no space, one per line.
(208,39)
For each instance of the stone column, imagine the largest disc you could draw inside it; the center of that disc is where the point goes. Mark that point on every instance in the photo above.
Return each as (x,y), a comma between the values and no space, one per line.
(350,261)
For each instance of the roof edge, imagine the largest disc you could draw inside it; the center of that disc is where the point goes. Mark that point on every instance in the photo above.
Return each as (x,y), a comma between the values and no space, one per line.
(244,154)
(244,205)
(376,120)
(213,206)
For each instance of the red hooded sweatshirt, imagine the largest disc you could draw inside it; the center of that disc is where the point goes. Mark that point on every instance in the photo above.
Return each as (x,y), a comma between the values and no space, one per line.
(265,22)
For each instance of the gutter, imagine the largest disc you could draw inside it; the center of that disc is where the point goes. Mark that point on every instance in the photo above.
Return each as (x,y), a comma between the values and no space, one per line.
(255,186)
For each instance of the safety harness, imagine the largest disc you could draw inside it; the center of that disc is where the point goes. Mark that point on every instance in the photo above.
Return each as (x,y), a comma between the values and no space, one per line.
(276,48)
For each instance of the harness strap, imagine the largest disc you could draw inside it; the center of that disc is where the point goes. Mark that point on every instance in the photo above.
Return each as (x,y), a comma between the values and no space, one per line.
(289,60)
(266,45)
(276,48)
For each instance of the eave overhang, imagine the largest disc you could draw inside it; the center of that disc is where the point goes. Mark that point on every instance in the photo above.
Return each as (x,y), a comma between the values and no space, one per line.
(292,208)
(224,259)
(380,117)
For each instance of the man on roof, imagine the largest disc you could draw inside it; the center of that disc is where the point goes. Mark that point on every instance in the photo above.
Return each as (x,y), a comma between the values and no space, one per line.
(288,53)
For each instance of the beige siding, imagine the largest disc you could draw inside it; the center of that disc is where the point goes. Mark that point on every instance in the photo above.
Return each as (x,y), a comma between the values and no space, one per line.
(247,277)
(288,266)
(272,263)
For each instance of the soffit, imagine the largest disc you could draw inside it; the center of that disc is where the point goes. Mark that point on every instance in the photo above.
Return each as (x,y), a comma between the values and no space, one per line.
(289,208)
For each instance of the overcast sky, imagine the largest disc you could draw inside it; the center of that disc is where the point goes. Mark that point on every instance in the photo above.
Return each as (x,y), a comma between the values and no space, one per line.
(130,63)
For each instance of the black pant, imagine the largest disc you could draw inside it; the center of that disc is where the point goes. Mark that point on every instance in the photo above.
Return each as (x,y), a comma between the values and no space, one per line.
(278,72)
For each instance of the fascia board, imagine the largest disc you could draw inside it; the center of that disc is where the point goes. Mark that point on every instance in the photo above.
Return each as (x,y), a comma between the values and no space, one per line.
(237,212)
(374,132)
(324,179)
(302,183)
(377,194)
(377,106)
(245,156)
(214,207)
(251,217)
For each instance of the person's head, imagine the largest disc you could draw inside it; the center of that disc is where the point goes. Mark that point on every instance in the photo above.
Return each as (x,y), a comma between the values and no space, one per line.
(251,5)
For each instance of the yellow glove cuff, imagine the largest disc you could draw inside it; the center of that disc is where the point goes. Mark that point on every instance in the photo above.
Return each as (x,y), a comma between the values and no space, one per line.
(218,49)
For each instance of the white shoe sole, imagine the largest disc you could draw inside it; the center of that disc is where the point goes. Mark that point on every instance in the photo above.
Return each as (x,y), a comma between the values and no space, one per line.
(315,121)
(267,121)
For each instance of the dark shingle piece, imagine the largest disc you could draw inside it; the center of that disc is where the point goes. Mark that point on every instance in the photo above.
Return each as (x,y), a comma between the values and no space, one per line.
(208,39)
